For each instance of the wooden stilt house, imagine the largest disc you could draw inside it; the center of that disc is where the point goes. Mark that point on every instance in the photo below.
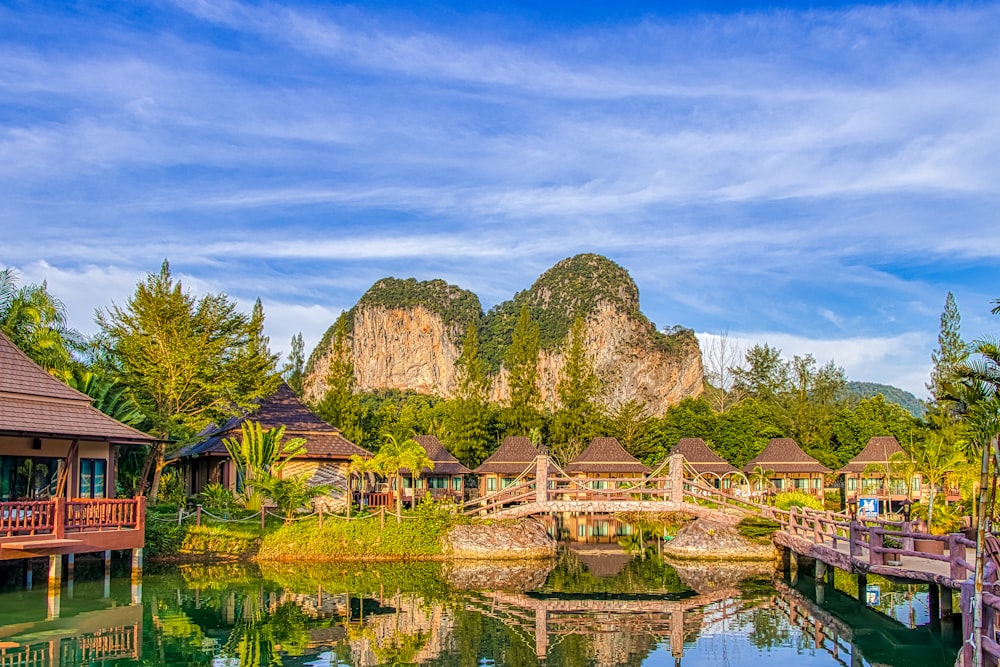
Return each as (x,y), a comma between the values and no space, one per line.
(708,466)
(872,473)
(791,468)
(446,480)
(605,461)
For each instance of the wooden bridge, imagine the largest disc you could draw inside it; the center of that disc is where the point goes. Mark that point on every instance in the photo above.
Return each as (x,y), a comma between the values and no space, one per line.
(547,489)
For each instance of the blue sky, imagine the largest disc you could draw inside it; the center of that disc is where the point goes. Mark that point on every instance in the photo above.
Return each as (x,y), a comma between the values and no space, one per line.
(812,175)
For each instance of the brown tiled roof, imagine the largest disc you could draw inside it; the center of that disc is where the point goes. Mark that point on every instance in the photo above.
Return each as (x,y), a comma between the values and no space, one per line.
(444,462)
(283,407)
(878,450)
(34,403)
(783,455)
(698,455)
(512,458)
(606,455)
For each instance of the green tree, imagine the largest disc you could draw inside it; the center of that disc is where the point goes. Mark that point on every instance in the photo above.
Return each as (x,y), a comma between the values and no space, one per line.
(288,493)
(764,374)
(187,362)
(814,399)
(340,405)
(691,418)
(467,415)
(294,369)
(743,431)
(870,418)
(35,321)
(395,455)
(110,397)
(521,362)
(951,351)
(577,417)
(631,423)
(936,457)
(258,455)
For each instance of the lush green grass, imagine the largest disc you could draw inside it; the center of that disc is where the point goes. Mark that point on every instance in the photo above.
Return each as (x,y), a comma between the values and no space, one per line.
(419,535)
(757,529)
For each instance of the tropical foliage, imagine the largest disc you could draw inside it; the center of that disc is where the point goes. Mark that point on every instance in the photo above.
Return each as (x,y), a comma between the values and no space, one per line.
(258,455)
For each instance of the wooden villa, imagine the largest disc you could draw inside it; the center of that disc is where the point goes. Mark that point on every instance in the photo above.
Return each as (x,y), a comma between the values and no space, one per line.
(57,469)
(514,456)
(706,464)
(446,480)
(603,462)
(791,468)
(327,452)
(865,475)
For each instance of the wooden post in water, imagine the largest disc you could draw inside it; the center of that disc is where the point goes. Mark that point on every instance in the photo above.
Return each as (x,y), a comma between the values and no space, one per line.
(820,571)
(934,601)
(862,588)
(55,584)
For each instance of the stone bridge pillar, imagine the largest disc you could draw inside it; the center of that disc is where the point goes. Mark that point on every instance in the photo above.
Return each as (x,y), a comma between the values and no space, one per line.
(676,476)
(541,479)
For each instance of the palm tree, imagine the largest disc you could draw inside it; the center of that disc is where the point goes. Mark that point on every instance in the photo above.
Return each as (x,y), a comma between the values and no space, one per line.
(394,455)
(259,454)
(935,459)
(760,477)
(360,466)
(36,322)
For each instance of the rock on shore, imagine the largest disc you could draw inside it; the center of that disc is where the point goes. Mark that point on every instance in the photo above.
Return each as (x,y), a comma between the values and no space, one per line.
(499,540)
(707,540)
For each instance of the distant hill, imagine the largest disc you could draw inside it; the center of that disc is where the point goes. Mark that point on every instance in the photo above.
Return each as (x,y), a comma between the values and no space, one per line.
(892,394)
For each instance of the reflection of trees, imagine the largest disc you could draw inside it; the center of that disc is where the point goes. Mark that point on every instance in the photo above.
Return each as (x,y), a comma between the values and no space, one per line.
(261,634)
(768,627)
(570,575)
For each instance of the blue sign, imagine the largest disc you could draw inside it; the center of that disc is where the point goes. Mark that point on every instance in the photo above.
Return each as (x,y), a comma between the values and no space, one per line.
(868,507)
(873,595)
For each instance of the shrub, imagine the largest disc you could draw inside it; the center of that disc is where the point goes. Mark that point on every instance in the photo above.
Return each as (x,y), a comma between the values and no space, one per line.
(218,499)
(790,499)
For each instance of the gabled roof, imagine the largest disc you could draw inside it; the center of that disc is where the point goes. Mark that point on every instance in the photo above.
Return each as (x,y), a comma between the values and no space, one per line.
(512,458)
(699,456)
(33,403)
(283,407)
(444,462)
(783,455)
(878,450)
(606,455)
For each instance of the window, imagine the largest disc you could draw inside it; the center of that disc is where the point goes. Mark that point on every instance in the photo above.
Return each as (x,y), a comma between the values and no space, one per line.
(817,482)
(456,483)
(28,478)
(491,483)
(437,482)
(779,483)
(801,484)
(599,484)
(916,484)
(601,528)
(581,530)
(852,483)
(506,481)
(93,478)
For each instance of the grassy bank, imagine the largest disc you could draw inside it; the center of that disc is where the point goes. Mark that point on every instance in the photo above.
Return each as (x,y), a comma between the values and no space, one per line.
(418,535)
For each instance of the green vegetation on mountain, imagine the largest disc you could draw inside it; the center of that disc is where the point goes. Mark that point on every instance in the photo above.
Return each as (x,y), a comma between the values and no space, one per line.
(457,307)
(900,397)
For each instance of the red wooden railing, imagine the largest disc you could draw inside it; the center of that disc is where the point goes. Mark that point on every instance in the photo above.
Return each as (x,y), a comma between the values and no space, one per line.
(60,516)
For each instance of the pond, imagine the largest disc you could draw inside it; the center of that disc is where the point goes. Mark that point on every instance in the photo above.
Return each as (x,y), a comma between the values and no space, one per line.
(594,605)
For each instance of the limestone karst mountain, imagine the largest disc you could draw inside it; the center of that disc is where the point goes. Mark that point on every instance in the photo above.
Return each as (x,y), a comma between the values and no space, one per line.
(406,334)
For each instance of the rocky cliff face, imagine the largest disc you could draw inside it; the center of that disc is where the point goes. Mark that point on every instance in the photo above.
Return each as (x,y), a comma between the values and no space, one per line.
(407,335)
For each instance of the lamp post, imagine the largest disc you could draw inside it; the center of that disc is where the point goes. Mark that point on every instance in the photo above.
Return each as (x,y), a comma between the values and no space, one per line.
(905,508)
(852,508)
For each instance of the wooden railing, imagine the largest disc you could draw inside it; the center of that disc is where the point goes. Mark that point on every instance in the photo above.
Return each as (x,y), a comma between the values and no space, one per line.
(380,499)
(60,516)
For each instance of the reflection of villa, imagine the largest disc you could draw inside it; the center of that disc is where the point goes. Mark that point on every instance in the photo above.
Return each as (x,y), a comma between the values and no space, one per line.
(870,473)
(791,469)
(603,462)
(324,461)
(57,467)
(446,480)
(514,456)
(101,636)
(708,466)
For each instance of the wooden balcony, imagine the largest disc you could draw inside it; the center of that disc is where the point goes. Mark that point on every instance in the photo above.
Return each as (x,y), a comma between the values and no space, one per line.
(29,529)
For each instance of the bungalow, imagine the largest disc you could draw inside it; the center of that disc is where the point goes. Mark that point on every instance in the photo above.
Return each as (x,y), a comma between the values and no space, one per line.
(604,461)
(447,479)
(706,464)
(791,468)
(866,474)
(57,467)
(325,459)
(515,456)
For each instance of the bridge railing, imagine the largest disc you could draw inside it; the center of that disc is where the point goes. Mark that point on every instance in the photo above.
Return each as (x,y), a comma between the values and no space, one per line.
(870,535)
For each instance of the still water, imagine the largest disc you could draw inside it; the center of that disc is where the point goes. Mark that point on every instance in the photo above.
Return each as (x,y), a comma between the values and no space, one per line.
(591,606)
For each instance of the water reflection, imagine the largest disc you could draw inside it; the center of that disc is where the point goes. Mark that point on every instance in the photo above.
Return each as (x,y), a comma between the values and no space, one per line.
(591,607)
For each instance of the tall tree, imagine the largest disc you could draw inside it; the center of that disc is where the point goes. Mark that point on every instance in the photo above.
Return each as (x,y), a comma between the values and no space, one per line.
(951,351)
(576,419)
(631,423)
(722,357)
(764,374)
(294,369)
(467,417)
(188,362)
(872,417)
(36,323)
(813,400)
(521,362)
(340,405)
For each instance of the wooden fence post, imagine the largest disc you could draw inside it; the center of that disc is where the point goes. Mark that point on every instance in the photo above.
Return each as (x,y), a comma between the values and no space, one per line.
(676,475)
(381,517)
(59,518)
(262,518)
(197,515)
(854,537)
(956,551)
(875,535)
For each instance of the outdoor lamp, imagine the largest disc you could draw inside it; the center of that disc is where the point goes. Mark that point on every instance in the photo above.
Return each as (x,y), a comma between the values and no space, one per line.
(852,507)
(905,507)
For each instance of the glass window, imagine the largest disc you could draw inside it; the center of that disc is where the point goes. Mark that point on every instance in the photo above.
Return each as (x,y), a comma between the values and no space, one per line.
(491,483)
(456,483)
(601,528)
(506,481)
(93,478)
(916,483)
(581,530)
(437,482)
(817,482)
(852,483)
(28,478)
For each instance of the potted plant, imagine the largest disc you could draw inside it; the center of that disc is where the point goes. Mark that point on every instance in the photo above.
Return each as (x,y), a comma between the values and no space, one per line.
(890,542)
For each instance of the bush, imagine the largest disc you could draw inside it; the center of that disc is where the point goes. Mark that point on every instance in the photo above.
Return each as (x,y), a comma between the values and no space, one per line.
(790,499)
(757,529)
(218,499)
(832,500)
